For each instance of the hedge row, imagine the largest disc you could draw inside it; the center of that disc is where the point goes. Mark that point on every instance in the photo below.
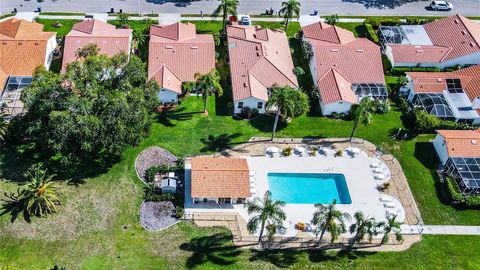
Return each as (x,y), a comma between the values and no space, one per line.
(402,70)
(372,34)
(453,190)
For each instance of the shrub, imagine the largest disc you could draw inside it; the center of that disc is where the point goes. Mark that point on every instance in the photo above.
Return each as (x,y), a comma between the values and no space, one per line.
(152,171)
(425,122)
(372,34)
(453,190)
(246,113)
(287,151)
(179,211)
(335,115)
(432,69)
(400,70)
(403,105)
(332,19)
(339,153)
(473,200)
(180,163)
(154,195)
(387,65)
(298,71)
(377,22)
(418,69)
(381,106)
(307,51)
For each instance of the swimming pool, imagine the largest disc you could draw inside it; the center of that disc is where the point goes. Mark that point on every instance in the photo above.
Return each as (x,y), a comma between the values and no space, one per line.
(309,188)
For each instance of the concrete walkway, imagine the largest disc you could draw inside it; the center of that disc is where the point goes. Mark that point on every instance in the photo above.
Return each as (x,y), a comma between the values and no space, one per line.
(440,229)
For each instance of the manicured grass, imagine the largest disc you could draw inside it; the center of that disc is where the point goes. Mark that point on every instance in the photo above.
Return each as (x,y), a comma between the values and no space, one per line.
(400,17)
(61,31)
(7,15)
(62,13)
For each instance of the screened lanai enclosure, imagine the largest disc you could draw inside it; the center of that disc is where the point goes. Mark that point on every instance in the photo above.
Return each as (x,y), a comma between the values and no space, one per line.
(435,104)
(392,34)
(10,97)
(370,90)
(466,172)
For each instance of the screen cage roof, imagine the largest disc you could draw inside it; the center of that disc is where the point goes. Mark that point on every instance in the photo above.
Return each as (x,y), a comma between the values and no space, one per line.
(469,170)
(392,34)
(434,103)
(10,99)
(370,90)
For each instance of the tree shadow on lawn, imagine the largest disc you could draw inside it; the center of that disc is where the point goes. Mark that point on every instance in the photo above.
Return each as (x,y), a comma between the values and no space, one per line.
(215,249)
(165,118)
(14,207)
(264,123)
(219,143)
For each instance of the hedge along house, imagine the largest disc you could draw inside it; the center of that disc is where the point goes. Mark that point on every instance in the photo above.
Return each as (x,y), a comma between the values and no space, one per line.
(23,47)
(448,95)
(459,154)
(259,59)
(110,41)
(444,43)
(176,54)
(345,69)
(221,181)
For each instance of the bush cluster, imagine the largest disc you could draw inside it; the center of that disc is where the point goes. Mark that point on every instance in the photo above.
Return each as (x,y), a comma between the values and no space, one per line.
(154,170)
(402,70)
(381,106)
(153,194)
(248,113)
(453,190)
(377,22)
(417,21)
(372,34)
(423,122)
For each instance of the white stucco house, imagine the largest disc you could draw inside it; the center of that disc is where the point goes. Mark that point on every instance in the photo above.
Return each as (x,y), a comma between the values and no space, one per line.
(443,43)
(259,59)
(344,68)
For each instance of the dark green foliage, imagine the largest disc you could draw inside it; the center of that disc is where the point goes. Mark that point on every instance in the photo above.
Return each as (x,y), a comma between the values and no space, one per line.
(377,22)
(372,34)
(417,21)
(179,211)
(154,195)
(97,109)
(400,70)
(298,71)
(418,69)
(152,171)
(380,106)
(452,187)
(473,200)
(423,122)
(432,69)
(248,113)
(307,51)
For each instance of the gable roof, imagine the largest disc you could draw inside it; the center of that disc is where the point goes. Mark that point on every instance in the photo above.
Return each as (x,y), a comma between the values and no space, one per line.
(435,82)
(109,40)
(452,37)
(259,58)
(461,143)
(183,52)
(219,178)
(342,60)
(23,46)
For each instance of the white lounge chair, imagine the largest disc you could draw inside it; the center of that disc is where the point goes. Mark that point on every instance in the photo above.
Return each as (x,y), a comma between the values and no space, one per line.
(377,170)
(252,185)
(252,174)
(375,165)
(385,199)
(252,179)
(388,205)
(253,190)
(381,176)
(391,212)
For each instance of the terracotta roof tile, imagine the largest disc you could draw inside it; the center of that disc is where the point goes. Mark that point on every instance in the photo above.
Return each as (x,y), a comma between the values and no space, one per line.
(343,61)
(405,53)
(109,40)
(23,46)
(220,178)
(462,143)
(184,52)
(259,58)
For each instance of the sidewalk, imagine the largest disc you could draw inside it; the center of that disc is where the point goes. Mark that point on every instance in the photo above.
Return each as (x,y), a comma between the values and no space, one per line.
(440,229)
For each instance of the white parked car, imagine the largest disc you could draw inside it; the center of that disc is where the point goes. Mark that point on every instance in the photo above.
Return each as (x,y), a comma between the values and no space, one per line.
(441,5)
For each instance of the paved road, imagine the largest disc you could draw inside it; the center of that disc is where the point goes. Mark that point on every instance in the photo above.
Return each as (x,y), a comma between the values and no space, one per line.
(343,7)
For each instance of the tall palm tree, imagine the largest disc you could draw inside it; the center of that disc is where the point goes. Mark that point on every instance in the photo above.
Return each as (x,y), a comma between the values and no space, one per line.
(40,196)
(3,126)
(122,19)
(391,226)
(329,219)
(289,9)
(139,39)
(288,102)
(266,210)
(208,84)
(361,113)
(226,7)
(363,226)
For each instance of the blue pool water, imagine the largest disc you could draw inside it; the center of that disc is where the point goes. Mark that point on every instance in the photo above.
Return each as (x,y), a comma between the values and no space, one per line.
(309,188)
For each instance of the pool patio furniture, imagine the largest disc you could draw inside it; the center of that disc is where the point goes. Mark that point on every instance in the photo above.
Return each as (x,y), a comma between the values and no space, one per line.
(381,176)
(300,150)
(388,205)
(385,199)
(378,170)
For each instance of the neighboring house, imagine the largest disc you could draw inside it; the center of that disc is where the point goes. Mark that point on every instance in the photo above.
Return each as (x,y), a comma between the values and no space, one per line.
(444,43)
(219,180)
(176,54)
(459,154)
(344,68)
(259,59)
(109,40)
(449,95)
(23,47)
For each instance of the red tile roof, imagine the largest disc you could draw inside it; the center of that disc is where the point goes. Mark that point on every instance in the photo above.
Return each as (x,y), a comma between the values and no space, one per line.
(343,60)
(259,58)
(435,82)
(110,40)
(461,143)
(452,37)
(23,46)
(182,51)
(220,178)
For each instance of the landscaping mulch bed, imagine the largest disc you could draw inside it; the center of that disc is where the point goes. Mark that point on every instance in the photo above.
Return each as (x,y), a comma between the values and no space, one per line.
(155,216)
(153,156)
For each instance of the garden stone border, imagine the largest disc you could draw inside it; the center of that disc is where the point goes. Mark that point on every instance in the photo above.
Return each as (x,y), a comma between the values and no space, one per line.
(168,158)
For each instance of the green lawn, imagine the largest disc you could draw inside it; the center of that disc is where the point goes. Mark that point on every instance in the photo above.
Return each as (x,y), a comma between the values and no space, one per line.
(88,232)
(61,31)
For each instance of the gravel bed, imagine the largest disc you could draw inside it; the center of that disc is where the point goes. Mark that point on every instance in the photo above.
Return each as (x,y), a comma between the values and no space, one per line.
(155,216)
(153,156)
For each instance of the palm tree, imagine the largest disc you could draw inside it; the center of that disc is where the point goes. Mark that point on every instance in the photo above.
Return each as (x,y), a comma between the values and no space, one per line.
(328,219)
(266,210)
(361,113)
(139,39)
(122,19)
(289,9)
(391,226)
(3,126)
(363,226)
(288,102)
(40,196)
(226,7)
(207,84)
